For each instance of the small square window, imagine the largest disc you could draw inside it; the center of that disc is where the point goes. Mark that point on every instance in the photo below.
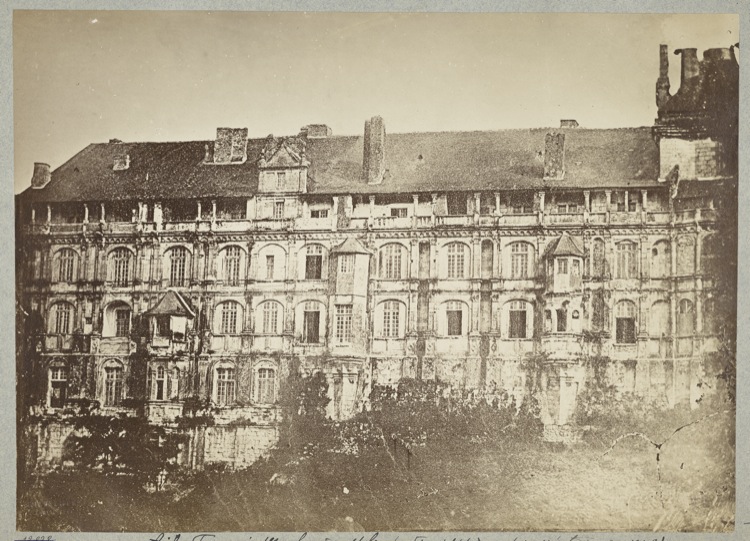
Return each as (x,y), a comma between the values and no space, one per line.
(399,212)
(320,213)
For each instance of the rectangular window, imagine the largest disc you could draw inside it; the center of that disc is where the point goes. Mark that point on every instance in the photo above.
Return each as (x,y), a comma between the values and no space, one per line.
(562,265)
(391,320)
(320,213)
(112,385)
(122,322)
(567,208)
(311,326)
(62,319)
(232,265)
(519,261)
(313,267)
(269,267)
(575,269)
(280,180)
(278,210)
(346,263)
(455,322)
(562,320)
(229,318)
(517,327)
(266,386)
(343,323)
(270,318)
(456,260)
(625,332)
(399,212)
(66,266)
(225,386)
(58,387)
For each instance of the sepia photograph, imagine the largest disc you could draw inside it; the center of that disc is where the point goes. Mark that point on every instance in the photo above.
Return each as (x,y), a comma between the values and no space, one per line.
(375,272)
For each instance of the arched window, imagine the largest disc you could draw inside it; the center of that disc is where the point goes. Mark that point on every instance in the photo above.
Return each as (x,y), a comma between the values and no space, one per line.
(116,320)
(517,319)
(391,316)
(659,324)
(232,262)
(61,316)
(178,266)
(229,312)
(174,384)
(625,322)
(598,259)
(520,260)
(627,261)
(224,380)
(314,262)
(685,318)
(112,384)
(120,266)
(66,260)
(265,388)
(661,259)
(391,261)
(685,255)
(160,384)
(271,317)
(58,386)
(456,260)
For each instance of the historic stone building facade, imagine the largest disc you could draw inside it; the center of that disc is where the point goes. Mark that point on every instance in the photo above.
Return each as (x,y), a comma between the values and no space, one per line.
(151,275)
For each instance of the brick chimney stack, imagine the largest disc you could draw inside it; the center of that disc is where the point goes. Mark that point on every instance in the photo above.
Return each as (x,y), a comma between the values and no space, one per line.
(373,163)
(42,175)
(662,83)
(554,156)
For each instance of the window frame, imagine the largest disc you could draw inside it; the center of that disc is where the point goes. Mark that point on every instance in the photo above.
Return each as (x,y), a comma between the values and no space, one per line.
(225,378)
(454,318)
(517,331)
(456,260)
(343,328)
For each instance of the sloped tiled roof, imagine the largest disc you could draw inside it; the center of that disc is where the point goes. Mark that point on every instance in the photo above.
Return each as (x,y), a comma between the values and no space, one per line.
(350,246)
(564,245)
(171,304)
(415,162)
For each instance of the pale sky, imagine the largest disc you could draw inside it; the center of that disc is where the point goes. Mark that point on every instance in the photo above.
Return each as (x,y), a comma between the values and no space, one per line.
(85,77)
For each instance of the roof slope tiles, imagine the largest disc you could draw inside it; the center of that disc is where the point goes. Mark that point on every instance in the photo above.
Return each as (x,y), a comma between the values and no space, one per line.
(415,162)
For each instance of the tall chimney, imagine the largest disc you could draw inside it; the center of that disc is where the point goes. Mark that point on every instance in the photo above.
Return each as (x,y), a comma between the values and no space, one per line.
(662,83)
(42,175)
(373,163)
(230,145)
(690,65)
(554,156)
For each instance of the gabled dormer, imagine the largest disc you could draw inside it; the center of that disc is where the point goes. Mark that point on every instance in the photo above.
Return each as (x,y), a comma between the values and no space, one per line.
(282,166)
(169,321)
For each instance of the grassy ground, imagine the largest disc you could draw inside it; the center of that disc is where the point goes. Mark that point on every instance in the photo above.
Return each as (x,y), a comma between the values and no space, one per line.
(451,485)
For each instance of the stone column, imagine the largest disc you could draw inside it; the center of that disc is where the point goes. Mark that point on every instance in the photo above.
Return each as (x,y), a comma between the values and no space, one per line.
(85,213)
